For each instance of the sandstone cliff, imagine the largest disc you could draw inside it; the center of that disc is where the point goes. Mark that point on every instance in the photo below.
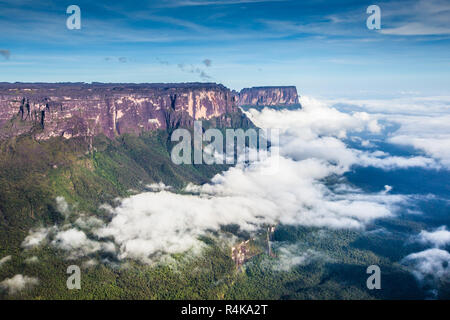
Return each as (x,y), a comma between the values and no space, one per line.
(79,109)
(269,96)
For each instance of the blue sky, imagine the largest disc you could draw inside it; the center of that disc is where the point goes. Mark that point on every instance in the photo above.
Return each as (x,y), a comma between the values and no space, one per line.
(322,47)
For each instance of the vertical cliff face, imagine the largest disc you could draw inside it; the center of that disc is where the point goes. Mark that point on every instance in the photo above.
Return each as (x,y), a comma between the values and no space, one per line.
(269,96)
(71,110)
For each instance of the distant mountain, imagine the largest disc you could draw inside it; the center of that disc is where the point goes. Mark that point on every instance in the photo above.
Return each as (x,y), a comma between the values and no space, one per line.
(259,97)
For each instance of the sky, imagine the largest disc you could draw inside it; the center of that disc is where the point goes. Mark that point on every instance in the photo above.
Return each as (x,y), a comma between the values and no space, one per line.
(322,47)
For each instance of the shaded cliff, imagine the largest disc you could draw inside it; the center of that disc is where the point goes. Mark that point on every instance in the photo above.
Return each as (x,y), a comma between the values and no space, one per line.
(269,96)
(79,109)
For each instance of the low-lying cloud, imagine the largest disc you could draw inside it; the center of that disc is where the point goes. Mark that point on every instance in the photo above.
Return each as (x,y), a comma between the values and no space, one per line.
(439,237)
(161,222)
(291,256)
(312,148)
(431,263)
(18,283)
(35,237)
(422,122)
(77,244)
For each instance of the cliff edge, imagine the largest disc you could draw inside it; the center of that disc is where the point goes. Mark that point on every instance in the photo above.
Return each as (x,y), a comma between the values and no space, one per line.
(283,96)
(80,109)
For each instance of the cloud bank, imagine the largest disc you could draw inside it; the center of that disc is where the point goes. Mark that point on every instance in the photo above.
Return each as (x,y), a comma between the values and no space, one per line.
(312,147)
(154,223)
(422,123)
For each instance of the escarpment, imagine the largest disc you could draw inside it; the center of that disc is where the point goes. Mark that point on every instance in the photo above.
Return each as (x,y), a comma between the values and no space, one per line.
(79,109)
(269,96)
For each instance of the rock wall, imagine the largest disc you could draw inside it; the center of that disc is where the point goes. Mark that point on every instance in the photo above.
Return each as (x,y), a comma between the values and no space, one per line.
(269,96)
(78,109)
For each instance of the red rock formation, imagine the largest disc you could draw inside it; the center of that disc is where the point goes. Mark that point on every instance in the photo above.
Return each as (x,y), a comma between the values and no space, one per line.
(78,109)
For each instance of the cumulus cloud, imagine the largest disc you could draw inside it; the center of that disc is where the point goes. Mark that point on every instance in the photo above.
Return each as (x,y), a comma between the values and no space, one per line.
(76,243)
(431,263)
(18,283)
(74,240)
(35,237)
(70,238)
(439,237)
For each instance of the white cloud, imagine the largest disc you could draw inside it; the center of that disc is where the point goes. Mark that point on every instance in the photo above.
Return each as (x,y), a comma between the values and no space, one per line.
(435,146)
(35,237)
(387,189)
(77,244)
(155,223)
(317,131)
(149,225)
(423,123)
(72,239)
(432,263)
(18,283)
(69,238)
(439,237)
